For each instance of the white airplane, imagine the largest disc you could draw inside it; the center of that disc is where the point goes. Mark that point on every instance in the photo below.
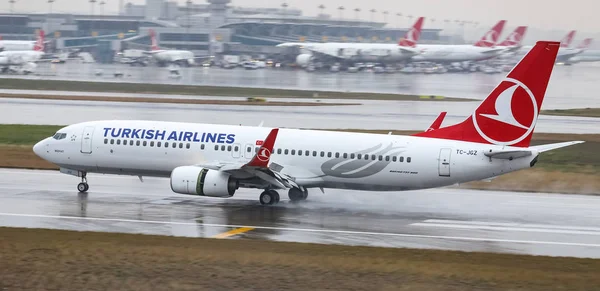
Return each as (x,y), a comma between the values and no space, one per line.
(483,49)
(165,57)
(564,53)
(215,160)
(353,51)
(24,60)
(585,55)
(20,45)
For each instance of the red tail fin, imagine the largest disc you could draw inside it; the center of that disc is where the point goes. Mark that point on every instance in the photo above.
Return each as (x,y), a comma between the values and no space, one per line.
(412,36)
(509,114)
(154,46)
(262,157)
(566,41)
(490,38)
(437,122)
(515,38)
(585,44)
(39,43)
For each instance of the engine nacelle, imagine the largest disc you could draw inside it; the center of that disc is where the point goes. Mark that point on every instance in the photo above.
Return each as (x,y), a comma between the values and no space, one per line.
(202,182)
(303,60)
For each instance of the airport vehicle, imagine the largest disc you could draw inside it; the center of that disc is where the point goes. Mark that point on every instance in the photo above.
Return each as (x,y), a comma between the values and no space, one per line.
(215,160)
(166,57)
(483,49)
(23,61)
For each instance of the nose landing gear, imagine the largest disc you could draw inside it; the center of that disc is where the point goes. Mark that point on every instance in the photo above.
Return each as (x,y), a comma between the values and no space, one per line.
(83,186)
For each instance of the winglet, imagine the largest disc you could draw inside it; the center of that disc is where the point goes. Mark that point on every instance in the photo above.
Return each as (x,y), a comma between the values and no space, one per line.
(262,157)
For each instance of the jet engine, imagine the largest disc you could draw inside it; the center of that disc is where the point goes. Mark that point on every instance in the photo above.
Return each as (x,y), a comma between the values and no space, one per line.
(304,60)
(202,182)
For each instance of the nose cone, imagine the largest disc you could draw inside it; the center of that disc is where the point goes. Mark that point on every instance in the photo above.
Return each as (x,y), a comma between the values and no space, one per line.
(38,148)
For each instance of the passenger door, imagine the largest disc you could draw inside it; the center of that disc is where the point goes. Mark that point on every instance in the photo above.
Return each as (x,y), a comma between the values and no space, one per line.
(86,140)
(236,151)
(444,162)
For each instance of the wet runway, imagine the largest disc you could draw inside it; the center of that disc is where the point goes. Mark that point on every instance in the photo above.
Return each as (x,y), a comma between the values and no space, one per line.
(456,219)
(392,115)
(570,86)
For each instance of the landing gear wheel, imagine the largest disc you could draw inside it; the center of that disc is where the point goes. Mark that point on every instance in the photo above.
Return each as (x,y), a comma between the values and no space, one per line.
(269,197)
(296,194)
(83,187)
(304,194)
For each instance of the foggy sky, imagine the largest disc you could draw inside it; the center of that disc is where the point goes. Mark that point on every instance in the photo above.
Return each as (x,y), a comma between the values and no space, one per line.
(559,15)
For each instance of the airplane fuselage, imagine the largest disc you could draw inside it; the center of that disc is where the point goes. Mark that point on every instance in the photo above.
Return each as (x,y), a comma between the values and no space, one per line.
(314,158)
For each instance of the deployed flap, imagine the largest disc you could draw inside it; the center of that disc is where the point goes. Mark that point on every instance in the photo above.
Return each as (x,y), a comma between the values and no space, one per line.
(507,154)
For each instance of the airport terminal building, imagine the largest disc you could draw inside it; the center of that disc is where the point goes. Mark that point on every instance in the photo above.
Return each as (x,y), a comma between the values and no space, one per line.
(209,28)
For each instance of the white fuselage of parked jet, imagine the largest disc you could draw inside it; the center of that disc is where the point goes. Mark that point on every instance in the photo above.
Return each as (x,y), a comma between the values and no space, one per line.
(173,56)
(585,56)
(17,45)
(360,52)
(455,53)
(314,158)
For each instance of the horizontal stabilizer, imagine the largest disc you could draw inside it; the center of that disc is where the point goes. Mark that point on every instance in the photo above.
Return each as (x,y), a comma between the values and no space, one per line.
(507,154)
(553,146)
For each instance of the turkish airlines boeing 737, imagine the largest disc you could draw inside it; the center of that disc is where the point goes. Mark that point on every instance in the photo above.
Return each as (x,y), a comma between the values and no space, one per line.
(215,160)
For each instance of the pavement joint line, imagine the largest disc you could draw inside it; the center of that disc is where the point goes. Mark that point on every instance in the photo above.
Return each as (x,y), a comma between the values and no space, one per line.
(326,231)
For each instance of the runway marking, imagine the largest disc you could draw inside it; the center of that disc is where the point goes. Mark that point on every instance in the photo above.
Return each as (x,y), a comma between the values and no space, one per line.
(328,231)
(481,225)
(233,232)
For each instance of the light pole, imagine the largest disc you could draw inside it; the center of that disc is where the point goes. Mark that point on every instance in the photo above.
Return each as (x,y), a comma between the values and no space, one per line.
(12,4)
(189,11)
(92,4)
(372,14)
(356,12)
(399,19)
(385,14)
(284,5)
(322,8)
(341,12)
(102,7)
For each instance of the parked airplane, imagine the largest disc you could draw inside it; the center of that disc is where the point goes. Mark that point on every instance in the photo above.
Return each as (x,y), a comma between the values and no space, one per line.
(585,55)
(165,57)
(22,45)
(513,40)
(438,53)
(23,61)
(564,53)
(215,160)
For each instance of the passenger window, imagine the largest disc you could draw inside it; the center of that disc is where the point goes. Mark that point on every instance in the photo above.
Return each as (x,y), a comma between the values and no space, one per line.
(394,159)
(366,157)
(112,141)
(401,159)
(202,146)
(144,143)
(329,154)
(249,149)
(337,155)
(158,144)
(106,141)
(373,157)
(174,145)
(166,144)
(293,152)
(137,143)
(236,148)
(187,145)
(256,149)
(152,144)
(359,156)
(314,153)
(279,151)
(408,160)
(131,142)
(299,152)
(228,148)
(352,156)
(286,151)
(387,158)
(216,147)
(125,142)
(118,141)
(223,148)
(307,153)
(381,158)
(345,155)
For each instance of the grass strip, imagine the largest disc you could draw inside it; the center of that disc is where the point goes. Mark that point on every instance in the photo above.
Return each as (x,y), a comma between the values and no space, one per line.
(141,88)
(40,259)
(582,112)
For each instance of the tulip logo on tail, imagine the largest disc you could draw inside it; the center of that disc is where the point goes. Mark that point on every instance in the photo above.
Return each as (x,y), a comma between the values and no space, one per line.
(499,122)
(264,154)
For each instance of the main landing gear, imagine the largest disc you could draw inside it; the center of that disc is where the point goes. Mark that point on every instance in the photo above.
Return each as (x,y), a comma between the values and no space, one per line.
(83,186)
(270,196)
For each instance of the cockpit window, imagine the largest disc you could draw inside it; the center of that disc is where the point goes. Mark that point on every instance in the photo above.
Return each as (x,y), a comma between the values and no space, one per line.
(59,135)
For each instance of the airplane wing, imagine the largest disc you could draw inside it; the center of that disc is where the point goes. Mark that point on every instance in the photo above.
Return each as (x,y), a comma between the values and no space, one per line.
(258,166)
